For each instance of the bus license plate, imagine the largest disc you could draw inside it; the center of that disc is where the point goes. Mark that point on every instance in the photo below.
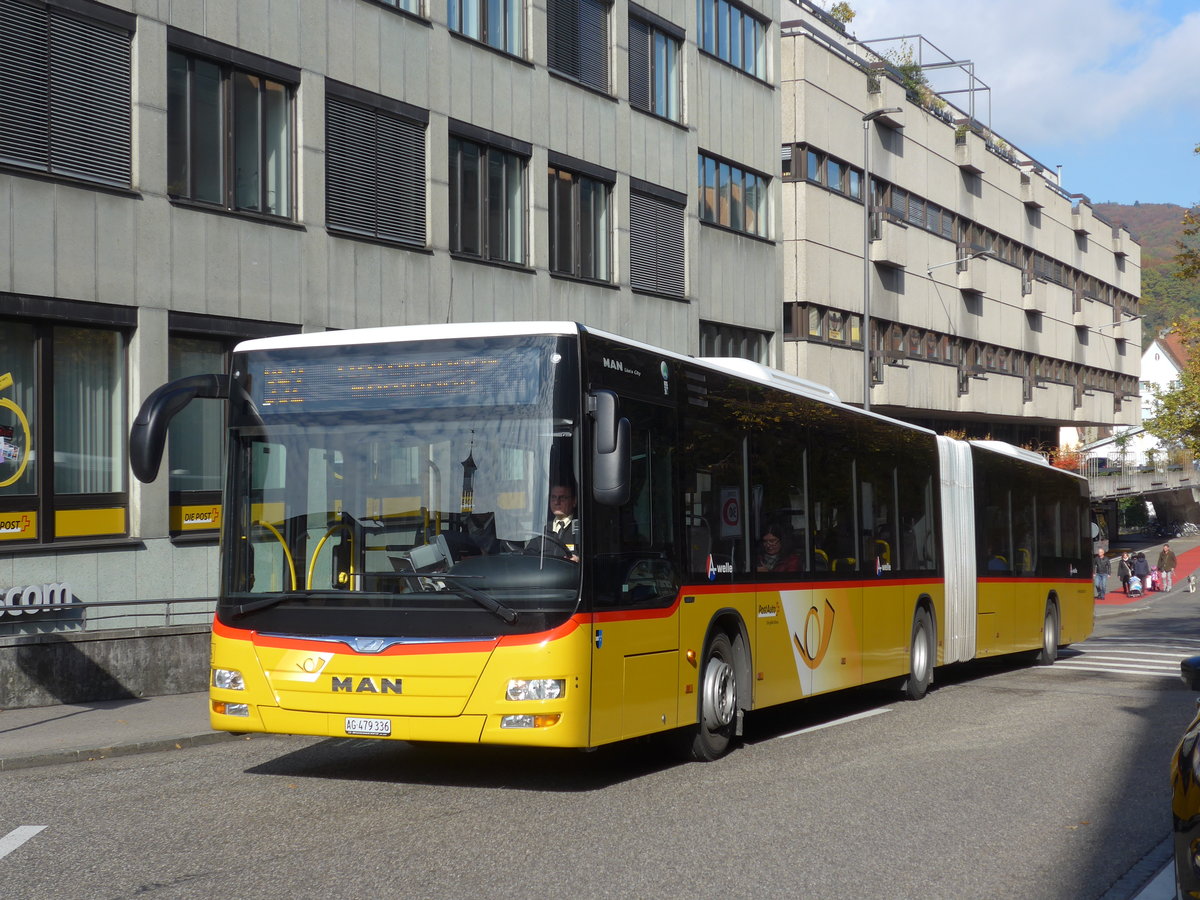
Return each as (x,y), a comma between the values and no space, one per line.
(371,727)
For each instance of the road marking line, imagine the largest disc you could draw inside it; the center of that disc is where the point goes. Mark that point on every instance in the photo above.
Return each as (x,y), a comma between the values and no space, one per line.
(1080,668)
(1131,651)
(1165,644)
(17,837)
(843,721)
(1103,658)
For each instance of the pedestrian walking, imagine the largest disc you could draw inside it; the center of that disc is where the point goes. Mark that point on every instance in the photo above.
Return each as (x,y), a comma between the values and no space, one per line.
(1125,570)
(1166,565)
(1141,568)
(1101,569)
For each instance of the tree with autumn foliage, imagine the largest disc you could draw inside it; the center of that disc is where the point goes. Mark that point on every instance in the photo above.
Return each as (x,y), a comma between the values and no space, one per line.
(1188,257)
(1175,410)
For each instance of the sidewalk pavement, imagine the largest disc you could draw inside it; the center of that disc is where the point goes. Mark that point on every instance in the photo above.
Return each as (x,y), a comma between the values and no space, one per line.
(50,735)
(75,732)
(1187,562)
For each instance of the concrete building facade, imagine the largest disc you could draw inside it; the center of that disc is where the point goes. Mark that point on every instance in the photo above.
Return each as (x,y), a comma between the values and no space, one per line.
(1001,305)
(179,176)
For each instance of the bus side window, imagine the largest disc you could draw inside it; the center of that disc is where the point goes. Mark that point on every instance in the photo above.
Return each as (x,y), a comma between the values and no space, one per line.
(714,479)
(633,546)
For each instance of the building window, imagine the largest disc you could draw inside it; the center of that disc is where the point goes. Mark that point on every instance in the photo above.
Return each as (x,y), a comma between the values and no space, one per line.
(374,167)
(196,438)
(654,68)
(65,89)
(730,340)
(200,345)
(497,23)
(577,40)
(412,6)
(733,197)
(579,225)
(657,225)
(813,167)
(733,34)
(72,380)
(229,136)
(487,201)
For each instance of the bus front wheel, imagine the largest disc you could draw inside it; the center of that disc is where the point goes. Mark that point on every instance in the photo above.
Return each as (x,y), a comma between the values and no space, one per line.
(1049,652)
(920,656)
(718,701)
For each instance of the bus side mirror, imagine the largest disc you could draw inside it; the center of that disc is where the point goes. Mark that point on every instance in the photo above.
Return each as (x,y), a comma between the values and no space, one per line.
(610,450)
(148,435)
(1189,671)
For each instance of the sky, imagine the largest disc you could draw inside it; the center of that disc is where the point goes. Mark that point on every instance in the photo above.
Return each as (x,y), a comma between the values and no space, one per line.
(1107,89)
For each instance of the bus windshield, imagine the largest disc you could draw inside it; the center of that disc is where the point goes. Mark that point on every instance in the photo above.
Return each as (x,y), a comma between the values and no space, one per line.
(401,489)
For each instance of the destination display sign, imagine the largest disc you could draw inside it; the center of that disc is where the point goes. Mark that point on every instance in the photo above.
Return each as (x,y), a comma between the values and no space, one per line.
(390,377)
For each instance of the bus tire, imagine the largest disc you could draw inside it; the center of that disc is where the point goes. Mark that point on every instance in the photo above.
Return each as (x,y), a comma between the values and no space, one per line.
(920,656)
(718,701)
(1050,636)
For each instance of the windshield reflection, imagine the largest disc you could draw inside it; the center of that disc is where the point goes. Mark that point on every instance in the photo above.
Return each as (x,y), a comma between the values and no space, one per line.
(365,506)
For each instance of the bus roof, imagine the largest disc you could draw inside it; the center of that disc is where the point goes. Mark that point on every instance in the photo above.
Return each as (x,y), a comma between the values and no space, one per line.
(399,333)
(741,368)
(1029,456)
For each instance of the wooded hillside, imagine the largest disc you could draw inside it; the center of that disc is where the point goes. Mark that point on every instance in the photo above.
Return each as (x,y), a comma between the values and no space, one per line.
(1158,228)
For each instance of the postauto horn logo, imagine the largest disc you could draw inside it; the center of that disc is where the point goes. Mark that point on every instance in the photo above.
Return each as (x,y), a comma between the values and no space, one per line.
(725,568)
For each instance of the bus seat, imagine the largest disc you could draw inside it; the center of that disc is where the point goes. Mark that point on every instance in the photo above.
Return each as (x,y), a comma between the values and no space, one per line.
(883,550)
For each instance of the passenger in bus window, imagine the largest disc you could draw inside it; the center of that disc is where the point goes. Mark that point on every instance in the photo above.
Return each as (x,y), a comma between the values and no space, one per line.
(775,553)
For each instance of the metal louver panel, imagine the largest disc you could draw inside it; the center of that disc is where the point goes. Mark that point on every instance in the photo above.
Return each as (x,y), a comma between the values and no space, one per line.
(916,214)
(90,128)
(593,44)
(562,36)
(401,180)
(374,173)
(24,85)
(577,40)
(656,246)
(350,166)
(643,253)
(639,64)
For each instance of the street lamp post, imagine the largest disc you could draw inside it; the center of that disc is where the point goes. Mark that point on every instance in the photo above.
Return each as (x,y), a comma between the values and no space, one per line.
(866,319)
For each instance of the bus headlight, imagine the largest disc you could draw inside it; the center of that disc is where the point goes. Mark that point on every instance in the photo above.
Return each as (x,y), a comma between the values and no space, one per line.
(228,679)
(535,689)
(231,709)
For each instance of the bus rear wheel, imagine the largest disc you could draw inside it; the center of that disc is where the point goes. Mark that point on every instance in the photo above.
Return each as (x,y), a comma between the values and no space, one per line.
(920,656)
(718,701)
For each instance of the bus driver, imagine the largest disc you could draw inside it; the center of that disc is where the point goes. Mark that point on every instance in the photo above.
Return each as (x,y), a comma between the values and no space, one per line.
(563,524)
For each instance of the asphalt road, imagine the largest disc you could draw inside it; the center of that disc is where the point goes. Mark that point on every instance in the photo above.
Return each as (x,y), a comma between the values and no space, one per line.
(1006,781)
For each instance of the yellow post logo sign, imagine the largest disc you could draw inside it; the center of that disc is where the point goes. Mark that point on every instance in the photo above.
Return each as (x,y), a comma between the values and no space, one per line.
(195,518)
(18,526)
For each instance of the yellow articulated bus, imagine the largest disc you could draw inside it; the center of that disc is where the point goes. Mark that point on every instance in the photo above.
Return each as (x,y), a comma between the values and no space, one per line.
(545,535)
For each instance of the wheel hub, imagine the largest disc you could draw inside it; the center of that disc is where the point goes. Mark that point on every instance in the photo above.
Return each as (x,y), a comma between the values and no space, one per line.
(720,694)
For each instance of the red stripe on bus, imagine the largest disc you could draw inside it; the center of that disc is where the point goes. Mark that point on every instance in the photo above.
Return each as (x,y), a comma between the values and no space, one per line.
(299,643)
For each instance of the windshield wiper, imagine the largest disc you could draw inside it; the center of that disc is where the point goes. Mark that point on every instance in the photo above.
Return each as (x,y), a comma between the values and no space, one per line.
(491,604)
(508,614)
(243,609)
